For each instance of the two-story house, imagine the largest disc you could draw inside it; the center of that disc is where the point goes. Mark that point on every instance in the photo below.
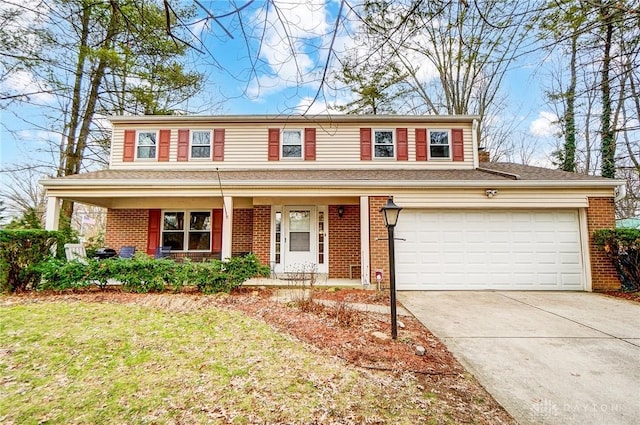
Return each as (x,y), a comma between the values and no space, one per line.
(299,190)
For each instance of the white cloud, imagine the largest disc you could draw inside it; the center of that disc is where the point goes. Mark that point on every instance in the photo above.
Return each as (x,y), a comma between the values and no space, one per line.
(23,83)
(319,107)
(293,31)
(546,125)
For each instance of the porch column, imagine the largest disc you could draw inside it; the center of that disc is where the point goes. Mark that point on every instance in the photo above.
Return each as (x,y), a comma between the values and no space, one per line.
(227,227)
(53,213)
(364,241)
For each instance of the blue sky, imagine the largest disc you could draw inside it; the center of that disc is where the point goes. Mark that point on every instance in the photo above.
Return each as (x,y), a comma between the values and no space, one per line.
(281,84)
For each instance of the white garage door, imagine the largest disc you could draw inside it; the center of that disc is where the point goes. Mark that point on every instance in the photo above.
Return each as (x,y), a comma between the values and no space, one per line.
(488,249)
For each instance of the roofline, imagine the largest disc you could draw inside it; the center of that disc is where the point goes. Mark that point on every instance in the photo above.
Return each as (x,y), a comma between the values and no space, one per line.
(325,118)
(431,184)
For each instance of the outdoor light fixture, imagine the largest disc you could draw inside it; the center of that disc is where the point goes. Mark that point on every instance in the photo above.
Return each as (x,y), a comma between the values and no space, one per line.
(390,213)
(491,193)
(340,211)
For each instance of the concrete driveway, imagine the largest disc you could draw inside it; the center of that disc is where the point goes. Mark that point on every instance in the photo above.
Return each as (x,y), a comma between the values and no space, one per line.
(547,357)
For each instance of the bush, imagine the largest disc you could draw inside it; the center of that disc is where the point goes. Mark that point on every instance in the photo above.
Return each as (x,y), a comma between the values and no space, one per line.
(143,274)
(623,247)
(58,275)
(21,251)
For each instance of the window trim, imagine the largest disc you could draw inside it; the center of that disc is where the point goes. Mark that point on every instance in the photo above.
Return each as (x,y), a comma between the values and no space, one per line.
(191,157)
(137,145)
(292,158)
(185,232)
(449,144)
(394,143)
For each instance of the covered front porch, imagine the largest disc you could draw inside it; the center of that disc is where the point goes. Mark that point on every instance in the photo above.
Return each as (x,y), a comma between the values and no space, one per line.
(293,235)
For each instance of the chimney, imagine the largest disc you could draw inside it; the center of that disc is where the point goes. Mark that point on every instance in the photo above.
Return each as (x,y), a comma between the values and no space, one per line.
(483,155)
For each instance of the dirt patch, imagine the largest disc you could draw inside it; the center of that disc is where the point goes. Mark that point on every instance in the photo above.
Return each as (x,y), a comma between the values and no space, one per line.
(631,296)
(337,330)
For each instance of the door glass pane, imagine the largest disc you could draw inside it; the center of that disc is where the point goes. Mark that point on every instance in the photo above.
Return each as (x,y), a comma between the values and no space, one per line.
(299,242)
(299,231)
(299,221)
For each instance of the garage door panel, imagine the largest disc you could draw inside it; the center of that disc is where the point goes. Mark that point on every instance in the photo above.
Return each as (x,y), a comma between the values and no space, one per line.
(487,249)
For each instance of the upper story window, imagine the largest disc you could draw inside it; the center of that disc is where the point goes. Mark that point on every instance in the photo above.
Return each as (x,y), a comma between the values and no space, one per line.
(383,144)
(187,230)
(439,144)
(200,144)
(291,144)
(146,144)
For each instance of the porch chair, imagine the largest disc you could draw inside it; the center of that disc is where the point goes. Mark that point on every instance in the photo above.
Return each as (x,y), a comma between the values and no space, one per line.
(127,251)
(162,252)
(75,251)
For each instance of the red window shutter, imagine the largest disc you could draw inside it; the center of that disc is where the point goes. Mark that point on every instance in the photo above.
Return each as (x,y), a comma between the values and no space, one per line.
(216,230)
(163,146)
(365,144)
(421,144)
(218,144)
(458,144)
(310,144)
(129,145)
(183,145)
(274,144)
(153,231)
(402,142)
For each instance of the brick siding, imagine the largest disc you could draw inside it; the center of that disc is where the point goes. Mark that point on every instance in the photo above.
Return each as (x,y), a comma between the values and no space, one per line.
(379,256)
(127,228)
(344,242)
(601,215)
(242,231)
(262,233)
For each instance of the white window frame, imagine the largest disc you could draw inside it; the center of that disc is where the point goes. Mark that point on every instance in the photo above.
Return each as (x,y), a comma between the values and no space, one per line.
(450,145)
(186,230)
(292,158)
(157,147)
(374,144)
(191,145)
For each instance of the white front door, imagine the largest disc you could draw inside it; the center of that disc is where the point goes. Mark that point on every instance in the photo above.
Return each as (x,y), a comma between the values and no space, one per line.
(300,238)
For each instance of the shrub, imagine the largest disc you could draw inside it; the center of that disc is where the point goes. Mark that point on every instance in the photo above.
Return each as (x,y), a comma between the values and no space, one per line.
(143,274)
(58,275)
(623,247)
(21,251)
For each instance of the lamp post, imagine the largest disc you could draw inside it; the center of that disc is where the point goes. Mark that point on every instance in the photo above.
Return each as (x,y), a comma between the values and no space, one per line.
(390,213)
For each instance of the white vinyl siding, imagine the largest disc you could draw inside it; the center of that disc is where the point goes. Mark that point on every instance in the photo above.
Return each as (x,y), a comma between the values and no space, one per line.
(337,147)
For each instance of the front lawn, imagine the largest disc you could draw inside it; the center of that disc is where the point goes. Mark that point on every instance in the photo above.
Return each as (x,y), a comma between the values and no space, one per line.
(92,363)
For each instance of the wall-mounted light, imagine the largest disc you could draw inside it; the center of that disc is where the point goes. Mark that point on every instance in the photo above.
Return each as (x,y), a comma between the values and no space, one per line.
(491,193)
(340,211)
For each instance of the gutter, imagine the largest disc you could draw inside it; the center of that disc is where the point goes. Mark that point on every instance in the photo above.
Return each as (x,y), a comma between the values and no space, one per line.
(340,118)
(433,184)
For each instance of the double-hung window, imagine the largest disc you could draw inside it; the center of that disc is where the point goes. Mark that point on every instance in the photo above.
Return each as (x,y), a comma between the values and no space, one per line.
(439,144)
(200,144)
(146,144)
(383,144)
(291,144)
(187,230)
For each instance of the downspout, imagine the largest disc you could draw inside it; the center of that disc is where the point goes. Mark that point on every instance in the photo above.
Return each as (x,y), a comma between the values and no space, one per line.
(474,142)
(621,192)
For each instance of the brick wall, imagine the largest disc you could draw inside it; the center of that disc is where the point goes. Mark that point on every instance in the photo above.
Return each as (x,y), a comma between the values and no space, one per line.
(601,215)
(262,233)
(127,227)
(344,241)
(379,257)
(242,231)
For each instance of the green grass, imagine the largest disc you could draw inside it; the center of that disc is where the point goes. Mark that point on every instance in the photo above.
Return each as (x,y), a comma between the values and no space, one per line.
(92,363)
